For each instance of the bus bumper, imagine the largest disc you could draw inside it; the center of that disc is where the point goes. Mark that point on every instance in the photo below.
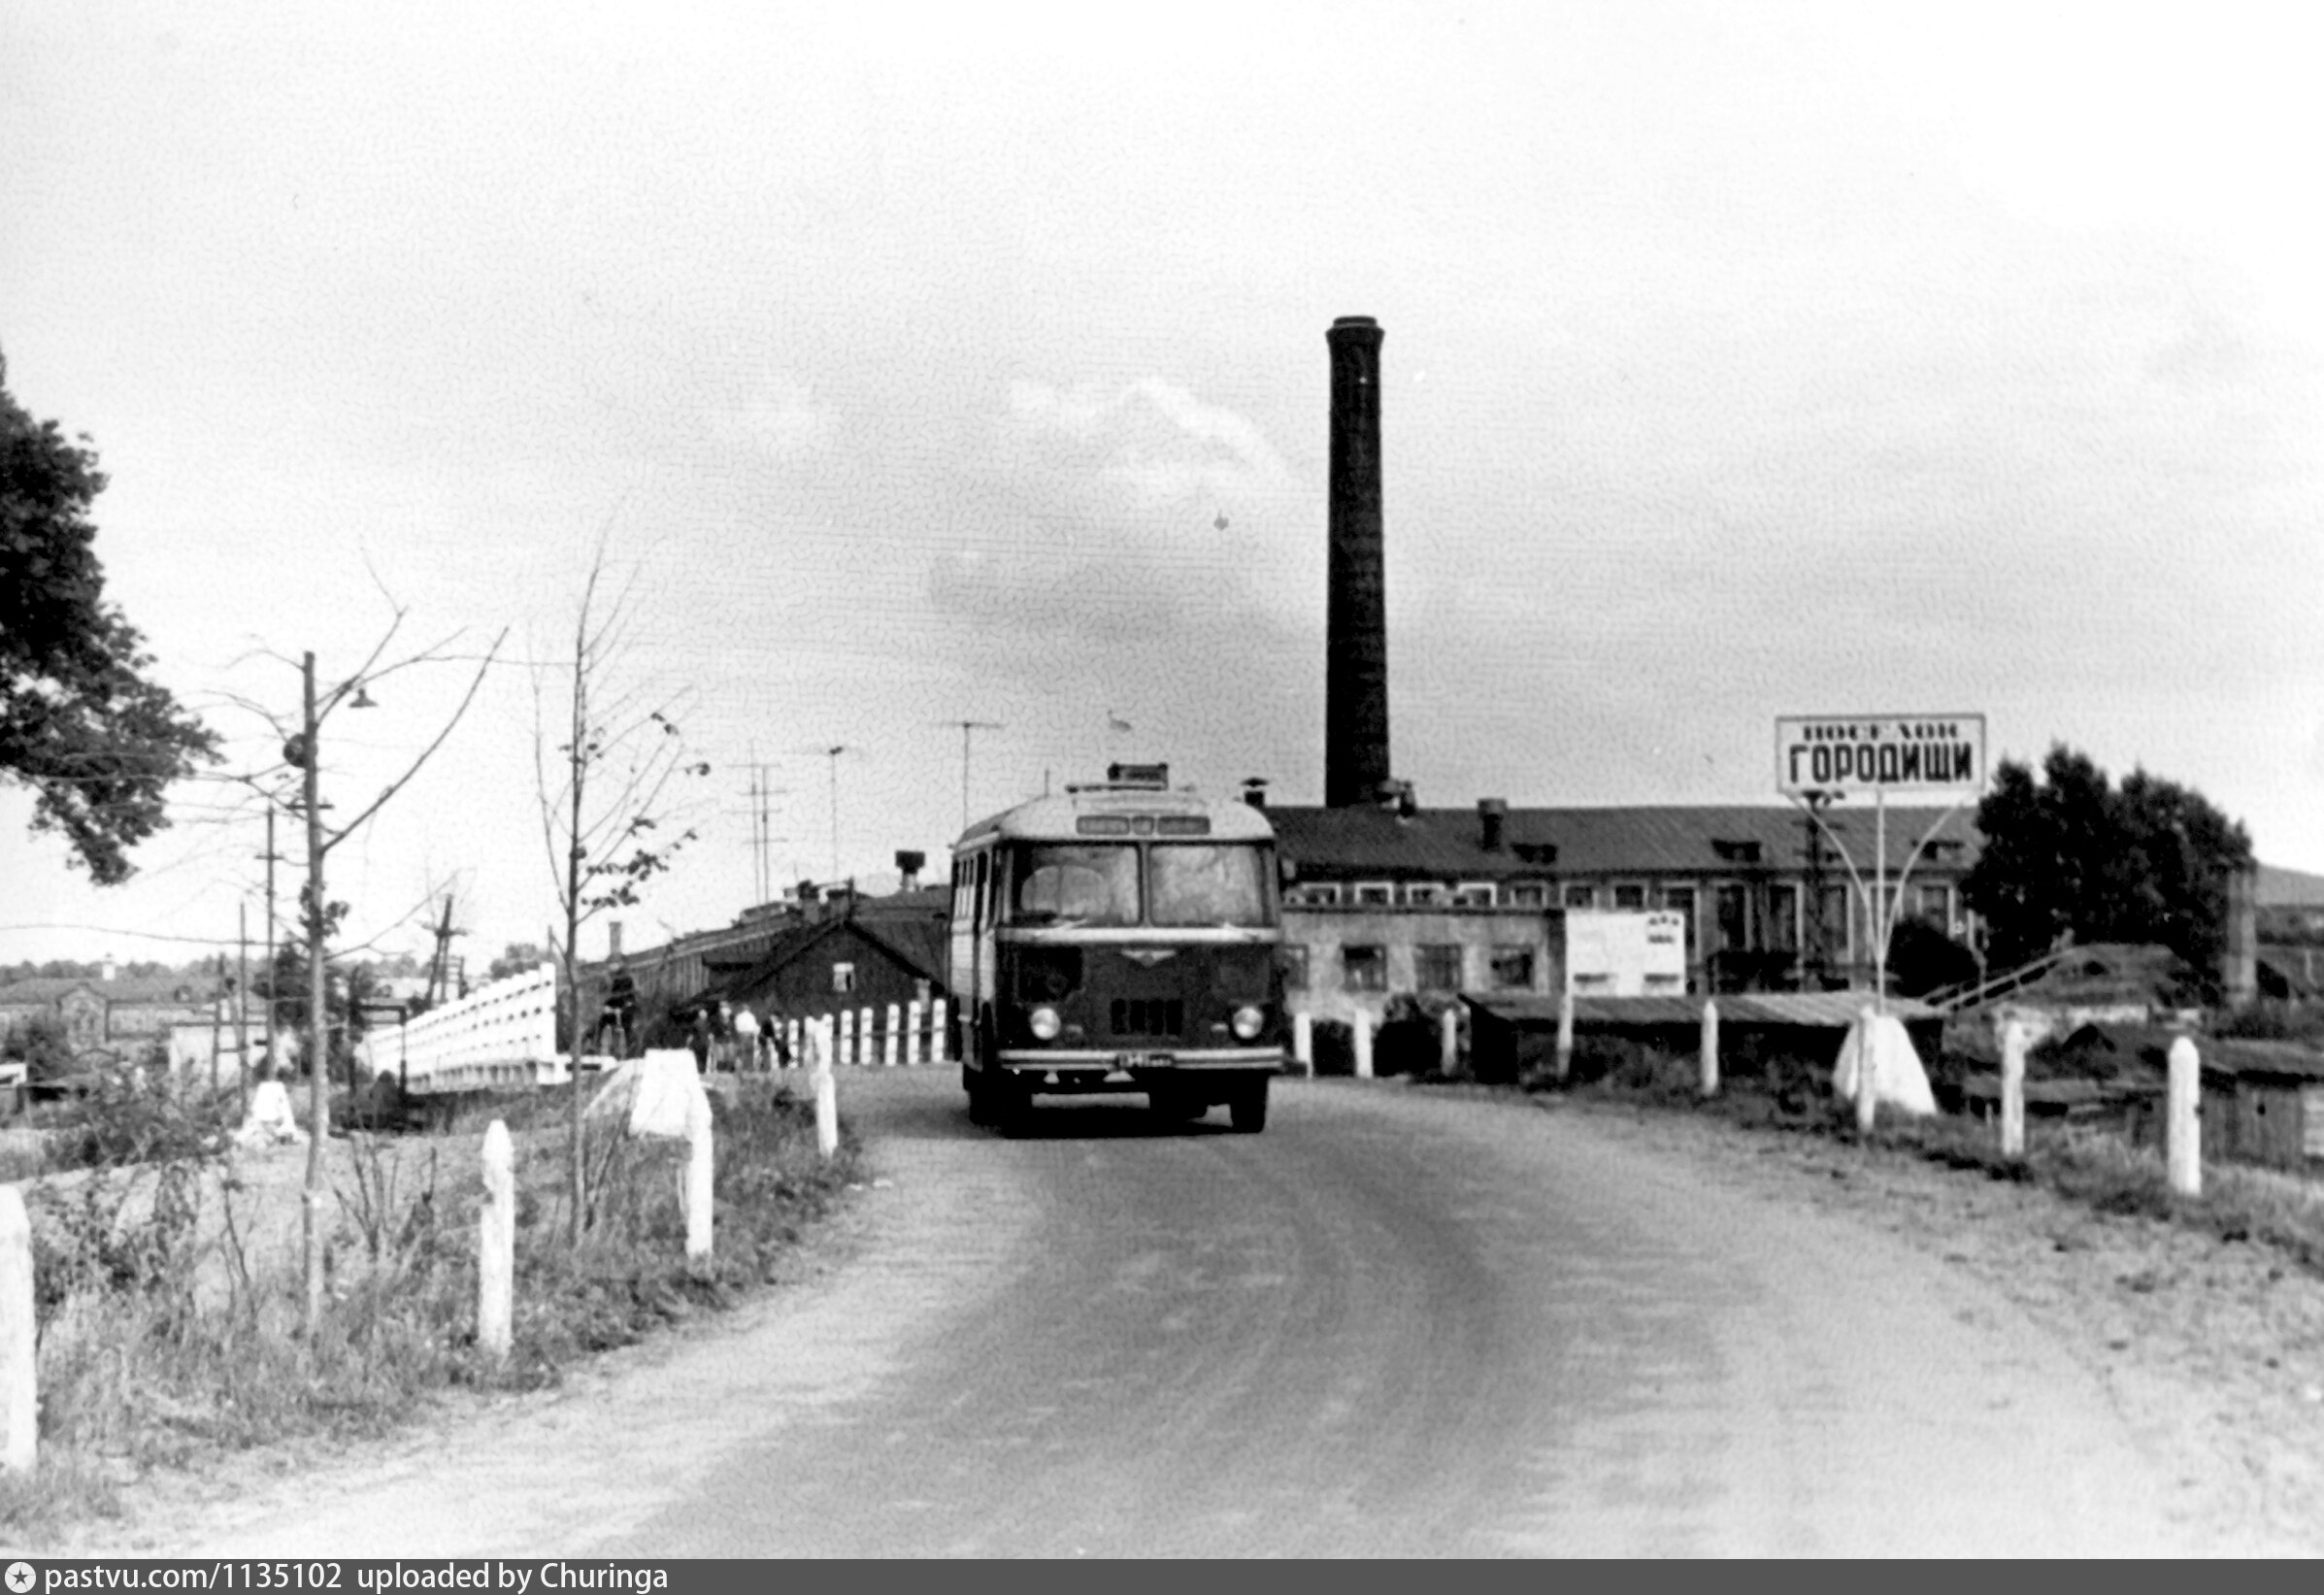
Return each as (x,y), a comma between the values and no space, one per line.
(1132,1065)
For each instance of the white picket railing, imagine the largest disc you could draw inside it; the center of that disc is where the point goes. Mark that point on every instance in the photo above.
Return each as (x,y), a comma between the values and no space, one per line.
(504,1034)
(912,1034)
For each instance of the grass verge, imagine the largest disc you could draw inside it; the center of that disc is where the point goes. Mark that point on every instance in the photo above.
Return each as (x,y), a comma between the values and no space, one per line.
(166,1335)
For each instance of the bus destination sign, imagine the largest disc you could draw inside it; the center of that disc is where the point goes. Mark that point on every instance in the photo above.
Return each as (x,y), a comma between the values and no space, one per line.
(1884,753)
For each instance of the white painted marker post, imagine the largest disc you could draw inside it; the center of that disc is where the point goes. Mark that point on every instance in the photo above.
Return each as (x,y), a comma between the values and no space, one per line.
(895,1027)
(1448,1041)
(19,1390)
(1565,1033)
(1867,1073)
(1303,1042)
(913,1013)
(826,1090)
(1363,1044)
(1710,1055)
(938,1051)
(863,1054)
(2186,1131)
(496,1245)
(2013,1091)
(701,1178)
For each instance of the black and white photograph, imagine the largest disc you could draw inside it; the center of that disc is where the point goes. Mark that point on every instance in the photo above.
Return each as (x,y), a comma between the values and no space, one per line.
(1314,780)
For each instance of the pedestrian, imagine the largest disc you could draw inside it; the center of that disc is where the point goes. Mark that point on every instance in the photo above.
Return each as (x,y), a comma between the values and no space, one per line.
(699,1037)
(779,1038)
(620,1014)
(746,1039)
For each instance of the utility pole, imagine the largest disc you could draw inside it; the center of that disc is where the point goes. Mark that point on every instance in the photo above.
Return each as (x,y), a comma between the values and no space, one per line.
(833,753)
(271,1008)
(968,728)
(762,829)
(319,1029)
(242,1007)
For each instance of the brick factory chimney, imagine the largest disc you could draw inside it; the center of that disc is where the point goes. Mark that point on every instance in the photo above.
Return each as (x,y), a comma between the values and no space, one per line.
(1492,823)
(1356,686)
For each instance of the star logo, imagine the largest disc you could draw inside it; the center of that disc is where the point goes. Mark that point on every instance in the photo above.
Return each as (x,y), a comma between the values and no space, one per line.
(20,1577)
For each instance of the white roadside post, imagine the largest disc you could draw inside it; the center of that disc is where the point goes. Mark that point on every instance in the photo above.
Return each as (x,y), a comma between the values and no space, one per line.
(19,1391)
(1448,1041)
(843,1051)
(826,1088)
(1363,1044)
(2012,1089)
(1565,1029)
(1868,1067)
(863,1039)
(496,1245)
(913,1013)
(937,1050)
(1303,1042)
(701,1178)
(798,1041)
(1710,1054)
(2186,1133)
(895,1025)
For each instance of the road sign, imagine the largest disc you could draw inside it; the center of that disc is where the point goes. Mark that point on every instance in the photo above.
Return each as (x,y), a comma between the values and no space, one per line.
(1881,752)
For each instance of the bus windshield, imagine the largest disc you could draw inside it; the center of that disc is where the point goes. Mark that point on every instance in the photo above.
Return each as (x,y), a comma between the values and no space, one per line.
(1208,885)
(1075,883)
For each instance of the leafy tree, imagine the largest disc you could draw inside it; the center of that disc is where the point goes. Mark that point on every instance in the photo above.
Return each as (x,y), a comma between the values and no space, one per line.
(41,1042)
(517,958)
(2070,857)
(80,723)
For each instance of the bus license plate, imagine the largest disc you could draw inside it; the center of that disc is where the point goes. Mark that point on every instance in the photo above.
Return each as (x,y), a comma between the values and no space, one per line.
(1144,1060)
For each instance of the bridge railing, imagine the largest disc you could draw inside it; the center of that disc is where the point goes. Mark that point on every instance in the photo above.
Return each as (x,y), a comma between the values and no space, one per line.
(501,1035)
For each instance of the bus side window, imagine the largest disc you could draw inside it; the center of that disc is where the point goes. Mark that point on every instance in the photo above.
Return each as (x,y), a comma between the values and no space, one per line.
(983,890)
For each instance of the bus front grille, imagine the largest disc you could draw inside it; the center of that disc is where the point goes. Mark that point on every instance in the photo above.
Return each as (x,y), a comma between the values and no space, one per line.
(1148,1017)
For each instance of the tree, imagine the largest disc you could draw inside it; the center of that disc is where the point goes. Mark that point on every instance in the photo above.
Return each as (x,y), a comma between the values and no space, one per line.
(517,958)
(81,724)
(2072,859)
(605,793)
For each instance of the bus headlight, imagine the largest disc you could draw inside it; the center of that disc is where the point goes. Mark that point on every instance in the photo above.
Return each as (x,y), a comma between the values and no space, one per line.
(1042,1022)
(1249,1021)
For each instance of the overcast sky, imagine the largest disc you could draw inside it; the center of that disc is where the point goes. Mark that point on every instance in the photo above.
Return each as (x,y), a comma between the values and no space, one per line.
(929,365)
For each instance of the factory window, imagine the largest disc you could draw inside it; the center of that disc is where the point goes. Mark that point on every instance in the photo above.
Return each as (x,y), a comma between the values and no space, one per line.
(1324,893)
(1735,915)
(1422,894)
(1474,894)
(1581,897)
(1832,924)
(1364,968)
(1783,918)
(1295,965)
(843,977)
(1630,894)
(1526,894)
(1374,894)
(1436,968)
(1512,968)
(1680,901)
(1935,906)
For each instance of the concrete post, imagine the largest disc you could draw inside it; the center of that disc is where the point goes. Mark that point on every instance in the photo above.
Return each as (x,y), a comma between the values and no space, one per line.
(939,1051)
(701,1179)
(843,1052)
(863,1038)
(826,1090)
(1363,1044)
(2186,1131)
(19,1390)
(1448,1041)
(496,1245)
(913,1013)
(1565,1033)
(1303,1042)
(2012,1089)
(1710,1055)
(895,1038)
(1867,1073)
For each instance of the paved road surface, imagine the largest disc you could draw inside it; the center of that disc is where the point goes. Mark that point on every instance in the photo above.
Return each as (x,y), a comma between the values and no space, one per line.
(1393,1324)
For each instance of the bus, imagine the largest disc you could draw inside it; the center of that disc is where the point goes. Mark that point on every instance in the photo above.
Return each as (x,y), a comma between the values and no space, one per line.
(1121,937)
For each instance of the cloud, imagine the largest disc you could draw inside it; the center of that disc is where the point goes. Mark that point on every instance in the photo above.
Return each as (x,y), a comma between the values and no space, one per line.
(781,420)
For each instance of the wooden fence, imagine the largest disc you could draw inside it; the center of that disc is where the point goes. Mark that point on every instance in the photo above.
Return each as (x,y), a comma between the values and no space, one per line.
(902,1035)
(504,1034)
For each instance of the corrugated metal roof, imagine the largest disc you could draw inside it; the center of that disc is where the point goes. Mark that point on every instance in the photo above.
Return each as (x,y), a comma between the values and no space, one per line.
(1731,840)
(1824,1009)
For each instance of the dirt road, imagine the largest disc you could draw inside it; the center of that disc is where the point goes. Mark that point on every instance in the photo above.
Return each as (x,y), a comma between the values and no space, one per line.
(1397,1323)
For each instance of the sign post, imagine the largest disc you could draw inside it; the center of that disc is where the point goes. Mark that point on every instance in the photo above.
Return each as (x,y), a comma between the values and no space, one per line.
(1821,756)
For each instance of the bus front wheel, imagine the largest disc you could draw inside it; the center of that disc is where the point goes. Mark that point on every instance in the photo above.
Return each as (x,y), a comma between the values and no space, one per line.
(1246,1108)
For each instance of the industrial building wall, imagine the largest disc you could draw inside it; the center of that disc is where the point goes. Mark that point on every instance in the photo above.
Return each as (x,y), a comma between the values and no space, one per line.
(1365,957)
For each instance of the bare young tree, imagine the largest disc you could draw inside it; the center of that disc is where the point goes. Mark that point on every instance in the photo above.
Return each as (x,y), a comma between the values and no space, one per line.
(608,791)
